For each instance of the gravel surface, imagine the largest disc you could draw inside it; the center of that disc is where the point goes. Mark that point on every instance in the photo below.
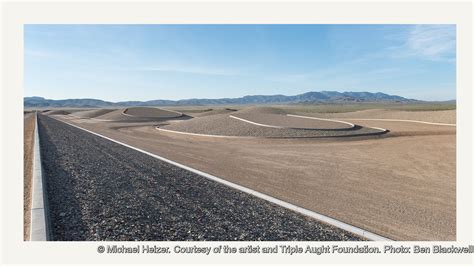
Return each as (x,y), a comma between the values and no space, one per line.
(100,190)
(401,185)
(28,144)
(226,126)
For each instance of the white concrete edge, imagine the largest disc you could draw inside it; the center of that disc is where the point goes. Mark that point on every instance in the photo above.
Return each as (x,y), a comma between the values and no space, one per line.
(315,215)
(399,120)
(38,223)
(253,123)
(323,119)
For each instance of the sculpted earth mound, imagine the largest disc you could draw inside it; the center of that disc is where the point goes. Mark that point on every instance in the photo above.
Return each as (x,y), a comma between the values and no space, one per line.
(92,113)
(139,114)
(273,117)
(151,112)
(225,125)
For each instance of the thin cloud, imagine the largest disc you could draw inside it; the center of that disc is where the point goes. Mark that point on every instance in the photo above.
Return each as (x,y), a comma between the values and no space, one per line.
(433,42)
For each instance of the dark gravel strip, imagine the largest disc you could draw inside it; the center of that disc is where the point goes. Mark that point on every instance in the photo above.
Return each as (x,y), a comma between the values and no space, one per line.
(100,190)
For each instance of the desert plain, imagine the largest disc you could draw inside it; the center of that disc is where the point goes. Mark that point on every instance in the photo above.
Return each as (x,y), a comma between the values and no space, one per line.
(390,171)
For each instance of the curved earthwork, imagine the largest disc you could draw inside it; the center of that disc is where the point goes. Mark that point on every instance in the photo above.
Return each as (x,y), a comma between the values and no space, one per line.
(267,122)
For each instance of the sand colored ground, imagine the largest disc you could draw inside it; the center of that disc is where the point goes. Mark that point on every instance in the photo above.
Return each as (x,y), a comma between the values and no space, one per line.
(28,144)
(400,185)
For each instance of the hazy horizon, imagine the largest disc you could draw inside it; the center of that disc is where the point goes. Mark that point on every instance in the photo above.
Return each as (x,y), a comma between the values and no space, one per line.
(132,100)
(171,62)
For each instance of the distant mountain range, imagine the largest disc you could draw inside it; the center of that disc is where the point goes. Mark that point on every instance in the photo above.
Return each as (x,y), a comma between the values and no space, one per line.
(305,98)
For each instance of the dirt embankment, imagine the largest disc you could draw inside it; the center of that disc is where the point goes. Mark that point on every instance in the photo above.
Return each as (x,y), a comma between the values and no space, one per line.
(402,186)
(28,144)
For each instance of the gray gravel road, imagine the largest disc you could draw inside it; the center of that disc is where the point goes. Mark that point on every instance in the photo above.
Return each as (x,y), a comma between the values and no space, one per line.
(100,190)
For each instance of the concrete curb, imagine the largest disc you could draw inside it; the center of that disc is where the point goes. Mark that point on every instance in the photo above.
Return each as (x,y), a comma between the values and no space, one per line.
(39,230)
(309,213)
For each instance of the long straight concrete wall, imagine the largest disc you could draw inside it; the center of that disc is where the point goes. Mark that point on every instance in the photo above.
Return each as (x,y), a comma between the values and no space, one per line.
(39,222)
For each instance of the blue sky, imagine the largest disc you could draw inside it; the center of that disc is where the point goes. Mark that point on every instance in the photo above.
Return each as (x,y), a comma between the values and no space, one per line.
(145,62)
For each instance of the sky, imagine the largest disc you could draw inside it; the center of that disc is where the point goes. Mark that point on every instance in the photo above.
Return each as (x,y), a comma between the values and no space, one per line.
(148,62)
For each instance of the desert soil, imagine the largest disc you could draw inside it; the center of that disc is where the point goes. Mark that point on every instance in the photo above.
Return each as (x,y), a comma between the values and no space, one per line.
(28,144)
(401,185)
(100,190)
